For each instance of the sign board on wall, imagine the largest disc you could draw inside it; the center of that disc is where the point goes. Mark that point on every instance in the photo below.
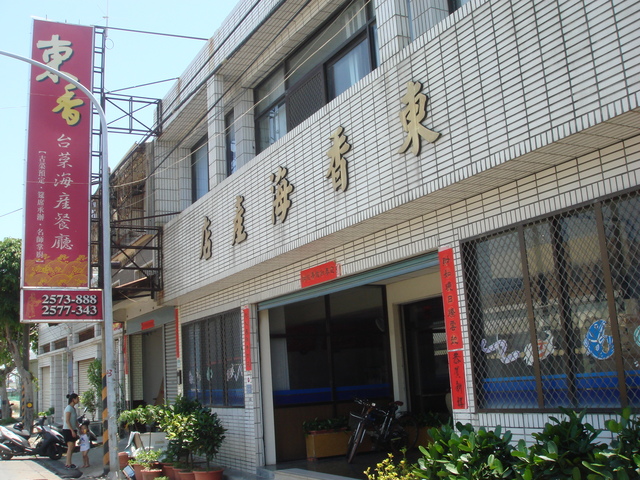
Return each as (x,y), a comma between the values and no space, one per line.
(57,192)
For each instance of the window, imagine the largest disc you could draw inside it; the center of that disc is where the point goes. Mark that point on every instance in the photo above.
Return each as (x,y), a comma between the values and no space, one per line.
(212,360)
(87,334)
(331,348)
(338,56)
(456,4)
(230,142)
(199,170)
(554,311)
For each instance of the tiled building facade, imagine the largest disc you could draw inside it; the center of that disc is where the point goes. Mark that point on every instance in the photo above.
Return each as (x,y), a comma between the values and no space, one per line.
(529,148)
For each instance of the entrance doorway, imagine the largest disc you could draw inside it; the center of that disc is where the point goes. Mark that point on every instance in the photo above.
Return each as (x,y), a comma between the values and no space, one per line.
(426,348)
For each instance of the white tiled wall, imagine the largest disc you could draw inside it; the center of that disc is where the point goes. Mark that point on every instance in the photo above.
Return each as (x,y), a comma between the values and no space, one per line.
(537,106)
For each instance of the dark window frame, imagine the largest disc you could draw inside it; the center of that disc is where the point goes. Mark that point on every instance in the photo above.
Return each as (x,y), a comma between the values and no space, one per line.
(229,139)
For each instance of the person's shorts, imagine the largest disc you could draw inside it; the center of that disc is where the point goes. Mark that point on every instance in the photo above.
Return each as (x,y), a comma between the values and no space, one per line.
(68,436)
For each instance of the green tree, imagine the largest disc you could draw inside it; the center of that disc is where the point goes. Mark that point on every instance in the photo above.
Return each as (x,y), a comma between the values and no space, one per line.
(17,338)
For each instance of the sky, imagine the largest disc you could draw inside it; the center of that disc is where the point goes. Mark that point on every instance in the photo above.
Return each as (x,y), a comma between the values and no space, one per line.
(132,59)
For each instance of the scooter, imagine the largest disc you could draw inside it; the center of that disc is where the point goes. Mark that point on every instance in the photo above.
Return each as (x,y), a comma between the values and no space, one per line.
(44,442)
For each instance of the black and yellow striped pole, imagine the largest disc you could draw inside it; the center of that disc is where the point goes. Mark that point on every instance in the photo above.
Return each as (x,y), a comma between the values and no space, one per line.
(105,426)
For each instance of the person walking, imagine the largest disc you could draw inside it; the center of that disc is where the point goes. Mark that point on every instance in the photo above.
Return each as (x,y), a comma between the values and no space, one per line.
(69,428)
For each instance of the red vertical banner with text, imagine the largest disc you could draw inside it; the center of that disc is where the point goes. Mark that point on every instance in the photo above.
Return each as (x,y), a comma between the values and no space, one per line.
(246,322)
(453,328)
(56,235)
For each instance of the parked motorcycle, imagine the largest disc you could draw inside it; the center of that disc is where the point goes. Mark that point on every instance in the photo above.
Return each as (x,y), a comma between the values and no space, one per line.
(44,442)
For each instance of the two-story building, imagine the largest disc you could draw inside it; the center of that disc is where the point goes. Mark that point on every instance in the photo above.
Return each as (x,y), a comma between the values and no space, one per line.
(407,199)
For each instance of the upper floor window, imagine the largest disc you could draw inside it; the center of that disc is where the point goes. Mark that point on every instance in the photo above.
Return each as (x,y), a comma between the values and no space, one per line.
(230,143)
(456,4)
(334,59)
(199,170)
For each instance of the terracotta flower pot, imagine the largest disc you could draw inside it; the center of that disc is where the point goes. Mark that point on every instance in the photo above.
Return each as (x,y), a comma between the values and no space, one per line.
(182,475)
(151,474)
(208,474)
(137,469)
(123,459)
(168,470)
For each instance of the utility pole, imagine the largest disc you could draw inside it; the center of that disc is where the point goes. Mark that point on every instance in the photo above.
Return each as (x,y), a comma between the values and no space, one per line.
(110,367)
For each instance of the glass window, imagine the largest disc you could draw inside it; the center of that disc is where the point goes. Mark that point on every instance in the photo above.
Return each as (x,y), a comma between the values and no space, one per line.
(230,142)
(312,341)
(199,170)
(212,360)
(553,310)
(348,69)
(271,126)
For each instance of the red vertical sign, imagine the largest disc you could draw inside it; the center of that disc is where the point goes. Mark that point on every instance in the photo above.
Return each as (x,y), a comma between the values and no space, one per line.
(453,327)
(246,319)
(56,240)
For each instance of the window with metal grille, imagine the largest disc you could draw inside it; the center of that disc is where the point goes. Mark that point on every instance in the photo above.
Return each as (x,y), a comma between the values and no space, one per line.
(553,310)
(212,360)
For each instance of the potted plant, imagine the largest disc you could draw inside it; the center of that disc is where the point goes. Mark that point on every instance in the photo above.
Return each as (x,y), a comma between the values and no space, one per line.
(149,461)
(137,418)
(208,437)
(326,437)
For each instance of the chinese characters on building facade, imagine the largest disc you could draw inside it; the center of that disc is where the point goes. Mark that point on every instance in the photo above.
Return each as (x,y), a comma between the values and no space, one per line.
(337,171)
(281,189)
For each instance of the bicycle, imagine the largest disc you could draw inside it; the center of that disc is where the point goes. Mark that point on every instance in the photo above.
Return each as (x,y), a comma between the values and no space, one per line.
(386,428)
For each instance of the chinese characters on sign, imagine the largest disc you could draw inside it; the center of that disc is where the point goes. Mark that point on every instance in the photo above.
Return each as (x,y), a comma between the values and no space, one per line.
(56,246)
(337,171)
(412,115)
(453,329)
(321,273)
(281,190)
(246,321)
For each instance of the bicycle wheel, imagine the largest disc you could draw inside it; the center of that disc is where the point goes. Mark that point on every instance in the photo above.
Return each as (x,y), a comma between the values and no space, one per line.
(354,441)
(403,433)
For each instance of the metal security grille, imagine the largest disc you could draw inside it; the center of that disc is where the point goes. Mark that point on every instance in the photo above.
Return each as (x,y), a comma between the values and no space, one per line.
(554,310)
(212,360)
(306,98)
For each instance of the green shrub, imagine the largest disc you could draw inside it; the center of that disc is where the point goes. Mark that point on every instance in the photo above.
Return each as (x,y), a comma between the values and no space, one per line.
(622,460)
(469,454)
(560,449)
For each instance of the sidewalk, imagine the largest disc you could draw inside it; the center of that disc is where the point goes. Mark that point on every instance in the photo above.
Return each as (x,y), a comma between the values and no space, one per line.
(43,468)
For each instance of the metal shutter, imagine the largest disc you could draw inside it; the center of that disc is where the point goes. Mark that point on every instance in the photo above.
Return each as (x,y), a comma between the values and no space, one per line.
(83,378)
(170,364)
(45,388)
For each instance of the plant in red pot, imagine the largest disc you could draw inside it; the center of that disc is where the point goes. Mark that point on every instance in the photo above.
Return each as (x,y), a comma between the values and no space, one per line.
(149,460)
(208,437)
